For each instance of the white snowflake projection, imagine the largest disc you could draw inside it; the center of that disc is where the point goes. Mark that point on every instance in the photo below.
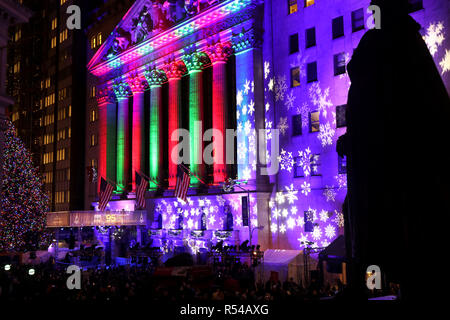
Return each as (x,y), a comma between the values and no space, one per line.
(239,98)
(329,193)
(271,84)
(300,62)
(253,86)
(303,240)
(317,233)
(320,99)
(276,213)
(244,110)
(284,213)
(330,232)
(300,222)
(326,134)
(291,194)
(211,219)
(283,125)
(286,160)
(306,188)
(266,69)
(273,228)
(341,180)
(247,127)
(294,210)
(434,37)
(305,161)
(290,99)
(252,142)
(239,127)
(267,106)
(271,203)
(347,59)
(325,243)
(268,129)
(190,223)
(445,62)
(283,228)
(280,197)
(291,223)
(247,86)
(339,219)
(324,215)
(304,111)
(242,150)
(238,220)
(246,173)
(280,88)
(251,108)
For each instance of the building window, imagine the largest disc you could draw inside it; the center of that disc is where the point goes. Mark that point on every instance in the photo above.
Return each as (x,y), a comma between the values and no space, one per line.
(99,39)
(16,67)
(315,164)
(310,37)
(297,125)
(309,3)
(298,168)
(54,23)
(311,72)
(339,63)
(63,35)
(93,140)
(340,116)
(308,218)
(415,5)
(295,77)
(70,111)
(338,27)
(63,1)
(53,42)
(342,165)
(358,20)
(314,121)
(93,42)
(18,34)
(61,154)
(292,4)
(93,115)
(293,43)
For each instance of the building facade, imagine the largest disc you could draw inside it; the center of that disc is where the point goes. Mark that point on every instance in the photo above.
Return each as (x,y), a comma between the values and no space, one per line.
(271,71)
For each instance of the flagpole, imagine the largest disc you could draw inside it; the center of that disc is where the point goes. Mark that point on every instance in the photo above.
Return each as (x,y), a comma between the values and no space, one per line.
(115,184)
(193,174)
(148,178)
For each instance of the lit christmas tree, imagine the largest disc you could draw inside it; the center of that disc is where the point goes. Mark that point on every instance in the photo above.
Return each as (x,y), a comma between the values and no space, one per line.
(23,203)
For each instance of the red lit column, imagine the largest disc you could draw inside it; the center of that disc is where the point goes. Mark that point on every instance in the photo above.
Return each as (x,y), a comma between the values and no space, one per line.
(123,132)
(138,85)
(107,135)
(195,62)
(155,79)
(218,54)
(174,71)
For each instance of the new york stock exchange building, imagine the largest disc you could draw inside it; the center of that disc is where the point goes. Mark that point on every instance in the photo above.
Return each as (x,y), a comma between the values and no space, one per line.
(272,73)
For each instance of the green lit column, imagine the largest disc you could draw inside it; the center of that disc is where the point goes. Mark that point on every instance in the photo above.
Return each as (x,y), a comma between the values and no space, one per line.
(123,132)
(155,79)
(195,62)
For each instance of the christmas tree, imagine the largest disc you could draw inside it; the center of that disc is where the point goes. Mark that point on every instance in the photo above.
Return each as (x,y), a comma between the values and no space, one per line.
(23,202)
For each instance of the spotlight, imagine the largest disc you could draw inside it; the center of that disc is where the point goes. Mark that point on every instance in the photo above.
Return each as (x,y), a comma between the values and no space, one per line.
(31,272)
(7,267)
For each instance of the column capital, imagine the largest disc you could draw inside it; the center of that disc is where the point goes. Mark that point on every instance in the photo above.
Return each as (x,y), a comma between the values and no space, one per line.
(244,40)
(174,69)
(220,51)
(196,61)
(121,89)
(155,77)
(137,82)
(105,95)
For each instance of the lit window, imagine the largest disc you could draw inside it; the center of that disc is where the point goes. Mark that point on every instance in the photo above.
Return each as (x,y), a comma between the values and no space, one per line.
(311,72)
(298,167)
(292,6)
(338,27)
(53,42)
(309,3)
(340,116)
(295,77)
(93,140)
(93,42)
(315,164)
(358,20)
(310,37)
(54,23)
(99,39)
(339,63)
(314,121)
(297,125)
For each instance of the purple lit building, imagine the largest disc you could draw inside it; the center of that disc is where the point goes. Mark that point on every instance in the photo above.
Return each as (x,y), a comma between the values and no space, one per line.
(242,65)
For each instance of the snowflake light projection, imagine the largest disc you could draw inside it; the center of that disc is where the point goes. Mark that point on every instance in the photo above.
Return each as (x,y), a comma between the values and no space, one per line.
(300,62)
(290,99)
(286,160)
(434,37)
(324,216)
(266,69)
(326,134)
(306,188)
(280,88)
(330,232)
(305,161)
(239,98)
(271,84)
(339,219)
(320,99)
(282,125)
(317,233)
(329,193)
(445,62)
(291,195)
(304,111)
(341,180)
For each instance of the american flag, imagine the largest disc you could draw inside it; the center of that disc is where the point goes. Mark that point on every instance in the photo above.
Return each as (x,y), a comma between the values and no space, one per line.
(141,186)
(183,181)
(106,190)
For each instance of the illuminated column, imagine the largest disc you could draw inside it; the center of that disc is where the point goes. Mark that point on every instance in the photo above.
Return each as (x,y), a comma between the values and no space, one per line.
(123,147)
(195,62)
(155,78)
(249,101)
(137,84)
(107,135)
(174,71)
(218,55)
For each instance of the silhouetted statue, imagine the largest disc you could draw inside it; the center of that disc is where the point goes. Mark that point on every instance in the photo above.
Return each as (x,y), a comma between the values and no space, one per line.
(396,141)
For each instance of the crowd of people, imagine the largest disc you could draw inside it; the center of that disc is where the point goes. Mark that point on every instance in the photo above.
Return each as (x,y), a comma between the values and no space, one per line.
(237,282)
